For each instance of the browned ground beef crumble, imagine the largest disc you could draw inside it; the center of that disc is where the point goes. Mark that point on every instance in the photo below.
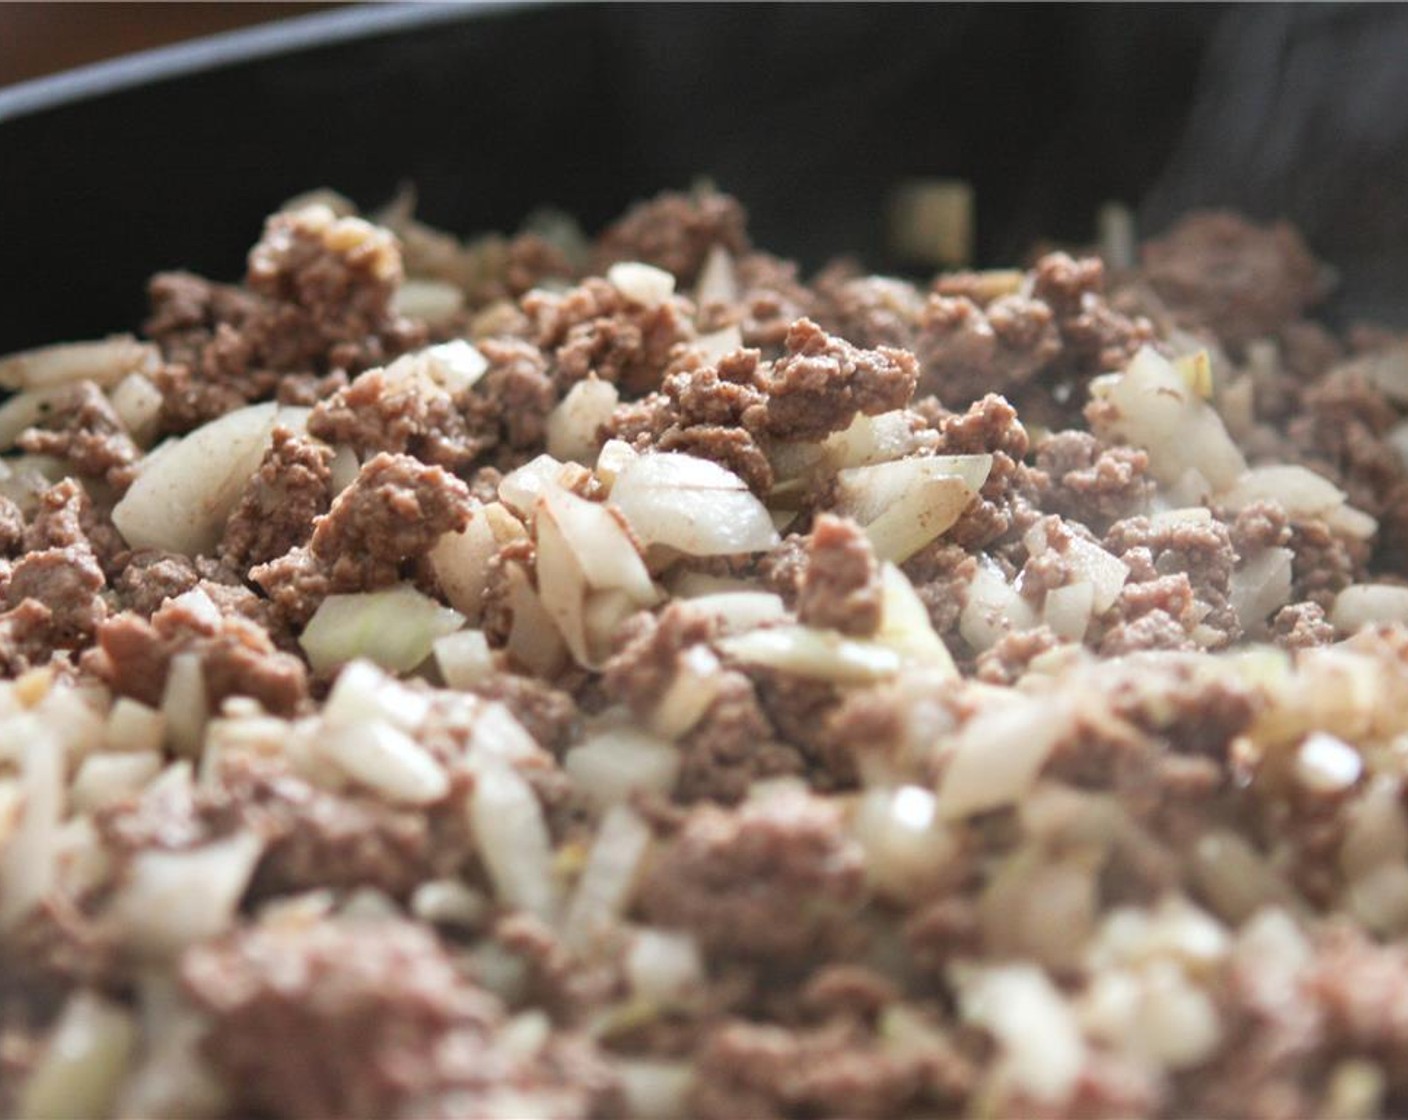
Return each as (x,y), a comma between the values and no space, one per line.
(1136,844)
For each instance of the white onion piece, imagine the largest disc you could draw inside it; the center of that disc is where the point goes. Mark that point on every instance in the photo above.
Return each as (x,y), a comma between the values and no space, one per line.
(363,693)
(741,610)
(1327,764)
(604,549)
(448,902)
(181,500)
(664,966)
(997,755)
(641,283)
(718,279)
(1067,610)
(994,608)
(872,439)
(396,628)
(520,489)
(1300,491)
(562,586)
(497,738)
(1387,370)
(512,836)
(105,778)
(433,301)
(388,761)
(1369,604)
(692,505)
(137,403)
(688,695)
(464,658)
(1350,522)
(172,899)
(654,1089)
(533,637)
(604,890)
(719,344)
(460,562)
(1261,587)
(1377,831)
(23,411)
(185,704)
(1155,409)
(105,362)
(611,765)
(85,1062)
(907,849)
(869,492)
(614,457)
(817,654)
(573,425)
(1042,1046)
(27,864)
(905,625)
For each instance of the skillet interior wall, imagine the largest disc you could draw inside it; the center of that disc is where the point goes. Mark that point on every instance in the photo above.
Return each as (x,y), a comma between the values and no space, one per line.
(807,113)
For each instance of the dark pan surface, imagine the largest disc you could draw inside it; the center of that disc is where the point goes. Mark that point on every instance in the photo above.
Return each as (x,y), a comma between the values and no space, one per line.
(807,113)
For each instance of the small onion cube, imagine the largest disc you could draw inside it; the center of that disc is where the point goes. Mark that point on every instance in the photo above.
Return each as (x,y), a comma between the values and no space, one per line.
(396,628)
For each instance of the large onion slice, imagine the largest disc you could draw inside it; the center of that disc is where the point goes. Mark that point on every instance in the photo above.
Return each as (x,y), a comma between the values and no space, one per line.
(997,755)
(903,505)
(1369,604)
(818,654)
(106,362)
(693,505)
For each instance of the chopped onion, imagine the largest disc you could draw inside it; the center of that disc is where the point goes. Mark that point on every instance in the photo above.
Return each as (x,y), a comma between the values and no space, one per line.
(185,704)
(84,1064)
(664,966)
(607,882)
(363,693)
(693,505)
(1327,764)
(497,738)
(604,549)
(817,654)
(1299,490)
(654,1089)
(172,899)
(137,403)
(688,696)
(23,411)
(611,765)
(1067,609)
(718,280)
(994,608)
(520,489)
(460,562)
(562,586)
(464,658)
(615,456)
(1369,604)
(533,638)
(1379,899)
(1040,1039)
(997,755)
(105,778)
(508,825)
(1377,830)
(1156,410)
(28,861)
(448,902)
(908,851)
(719,344)
(905,625)
(1233,877)
(873,439)
(903,505)
(105,362)
(641,283)
(1261,587)
(740,610)
(930,222)
(386,760)
(202,476)
(573,425)
(433,301)
(1040,908)
(396,628)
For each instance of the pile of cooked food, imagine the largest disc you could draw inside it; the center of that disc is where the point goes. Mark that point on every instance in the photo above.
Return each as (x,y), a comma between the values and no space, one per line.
(546,677)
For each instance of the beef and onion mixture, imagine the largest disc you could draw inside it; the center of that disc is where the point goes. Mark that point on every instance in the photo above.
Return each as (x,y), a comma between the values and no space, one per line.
(538,677)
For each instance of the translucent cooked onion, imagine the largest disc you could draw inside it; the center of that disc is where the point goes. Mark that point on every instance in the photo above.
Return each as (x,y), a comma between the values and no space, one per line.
(104,778)
(874,439)
(513,841)
(868,493)
(655,1089)
(464,658)
(905,625)
(816,654)
(202,476)
(610,765)
(105,362)
(396,628)
(460,562)
(641,283)
(573,425)
(432,301)
(994,608)
(1369,604)
(605,888)
(1299,490)
(384,759)
(997,755)
(692,505)
(738,611)
(718,279)
(1261,587)
(27,863)
(81,1070)
(908,851)
(1067,610)
(137,403)
(664,966)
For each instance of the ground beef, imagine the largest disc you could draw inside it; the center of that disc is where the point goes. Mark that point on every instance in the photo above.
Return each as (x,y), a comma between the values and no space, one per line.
(821,382)
(841,581)
(1200,550)
(384,1013)
(1301,626)
(392,514)
(966,351)
(1259,526)
(871,310)
(237,657)
(66,517)
(515,395)
(1096,337)
(1243,280)
(773,880)
(549,714)
(941,573)
(67,582)
(648,657)
(81,427)
(1005,507)
(151,576)
(1092,483)
(1007,661)
(1323,562)
(675,232)
(11,527)
(771,299)
(275,513)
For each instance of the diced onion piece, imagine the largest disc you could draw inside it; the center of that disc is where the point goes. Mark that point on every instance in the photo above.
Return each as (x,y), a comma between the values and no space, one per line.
(1041,1042)
(1156,410)
(520,489)
(562,586)
(433,301)
(84,1064)
(907,849)
(104,778)
(1196,371)
(718,344)
(994,608)
(654,1089)
(1040,908)
(388,761)
(137,403)
(1379,899)
(603,612)
(185,704)
(1067,610)
(27,863)
(513,841)
(664,965)
(603,548)
(611,765)
(460,562)
(1369,604)
(172,899)
(364,693)
(805,651)
(1261,587)
(396,628)
(614,457)
(1327,764)
(688,695)
(872,439)
(1350,522)
(181,500)
(1300,491)
(105,362)
(343,469)
(1114,222)
(693,505)
(455,366)
(533,637)
(739,611)
(903,505)
(1387,370)
(718,280)
(641,283)
(448,902)
(464,658)
(573,425)
(997,755)
(1234,877)
(498,738)
(604,890)
(1377,829)
(23,411)
(905,625)
(931,222)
